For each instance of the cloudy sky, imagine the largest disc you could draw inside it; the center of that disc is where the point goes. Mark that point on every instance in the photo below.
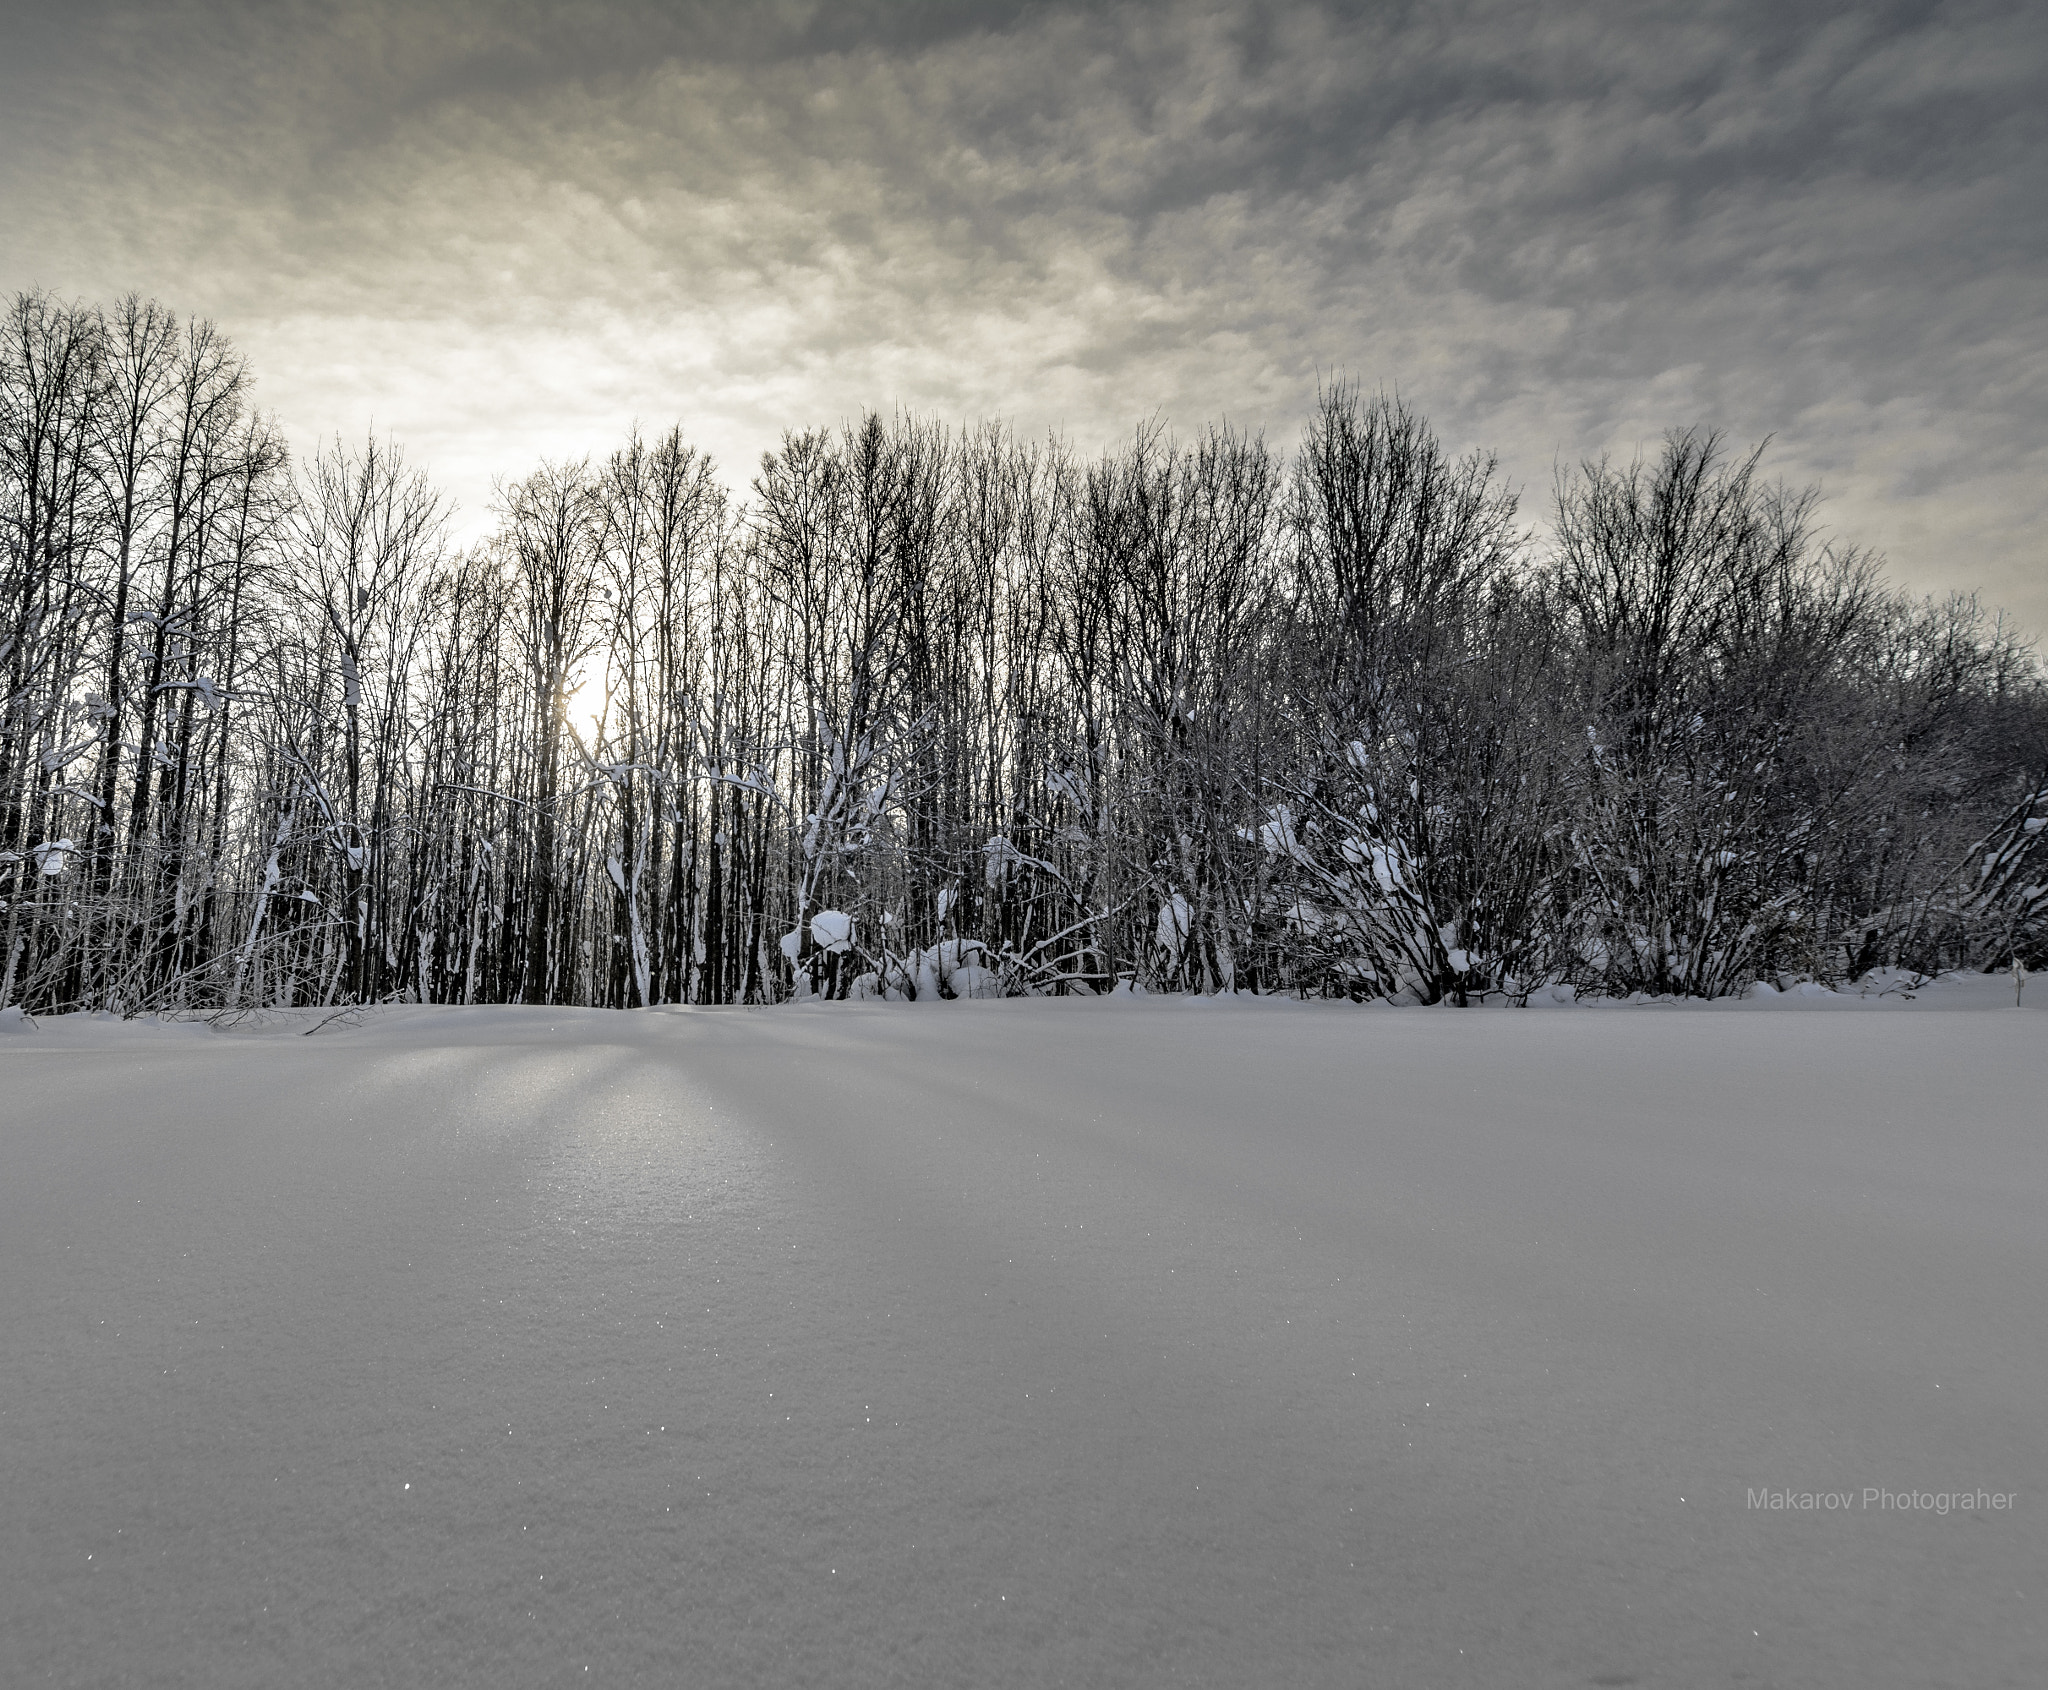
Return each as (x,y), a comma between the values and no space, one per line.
(506,231)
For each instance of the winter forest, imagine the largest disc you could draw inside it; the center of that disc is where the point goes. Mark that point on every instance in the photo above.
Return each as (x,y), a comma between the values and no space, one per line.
(941,711)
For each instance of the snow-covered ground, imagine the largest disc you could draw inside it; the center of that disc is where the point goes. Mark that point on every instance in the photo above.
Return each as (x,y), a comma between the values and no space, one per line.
(1029,1343)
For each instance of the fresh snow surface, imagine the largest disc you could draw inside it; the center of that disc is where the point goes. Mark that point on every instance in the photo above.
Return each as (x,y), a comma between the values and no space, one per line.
(1127,1342)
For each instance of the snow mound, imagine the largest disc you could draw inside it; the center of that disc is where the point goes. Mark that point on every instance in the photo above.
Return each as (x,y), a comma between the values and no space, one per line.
(832,931)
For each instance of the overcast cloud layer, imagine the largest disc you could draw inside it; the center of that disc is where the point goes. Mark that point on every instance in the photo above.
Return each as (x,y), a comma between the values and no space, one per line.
(504,232)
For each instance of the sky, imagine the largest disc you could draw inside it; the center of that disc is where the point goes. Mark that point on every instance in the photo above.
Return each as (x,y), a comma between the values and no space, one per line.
(508,232)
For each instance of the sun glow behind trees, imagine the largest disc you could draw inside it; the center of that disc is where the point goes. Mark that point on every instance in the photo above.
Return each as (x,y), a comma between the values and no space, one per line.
(1190,714)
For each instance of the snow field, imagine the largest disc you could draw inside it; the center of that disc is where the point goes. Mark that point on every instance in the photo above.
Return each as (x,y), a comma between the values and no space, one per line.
(1154,1341)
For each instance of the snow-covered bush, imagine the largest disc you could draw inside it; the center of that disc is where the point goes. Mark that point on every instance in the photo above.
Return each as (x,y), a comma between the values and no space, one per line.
(973,981)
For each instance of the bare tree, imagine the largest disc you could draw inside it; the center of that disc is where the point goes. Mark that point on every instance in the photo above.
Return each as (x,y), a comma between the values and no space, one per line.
(947,712)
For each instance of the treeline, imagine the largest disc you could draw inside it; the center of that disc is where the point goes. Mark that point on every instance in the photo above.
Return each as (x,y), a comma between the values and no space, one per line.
(957,713)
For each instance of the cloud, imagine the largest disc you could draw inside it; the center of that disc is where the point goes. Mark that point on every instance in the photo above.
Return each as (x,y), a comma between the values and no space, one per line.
(505,232)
